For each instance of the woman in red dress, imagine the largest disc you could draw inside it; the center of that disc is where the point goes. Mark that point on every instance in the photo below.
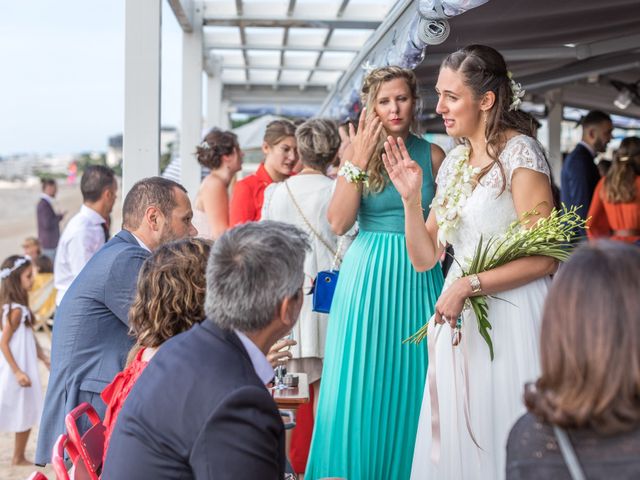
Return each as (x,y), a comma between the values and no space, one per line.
(615,208)
(169,300)
(280,158)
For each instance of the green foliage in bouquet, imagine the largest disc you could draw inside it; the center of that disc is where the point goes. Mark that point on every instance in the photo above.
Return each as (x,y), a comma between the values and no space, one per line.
(551,236)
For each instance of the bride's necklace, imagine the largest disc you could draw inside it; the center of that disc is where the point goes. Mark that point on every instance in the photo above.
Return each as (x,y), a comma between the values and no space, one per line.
(450,200)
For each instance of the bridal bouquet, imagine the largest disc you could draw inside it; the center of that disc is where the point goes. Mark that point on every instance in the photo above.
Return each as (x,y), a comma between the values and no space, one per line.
(551,237)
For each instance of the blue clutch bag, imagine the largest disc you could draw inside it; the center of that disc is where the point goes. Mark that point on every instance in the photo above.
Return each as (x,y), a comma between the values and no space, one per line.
(323,289)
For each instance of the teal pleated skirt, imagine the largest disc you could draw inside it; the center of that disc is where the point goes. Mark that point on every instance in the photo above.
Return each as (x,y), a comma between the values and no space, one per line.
(372,383)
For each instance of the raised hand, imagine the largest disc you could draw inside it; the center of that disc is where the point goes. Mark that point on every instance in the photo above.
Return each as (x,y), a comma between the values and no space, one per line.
(365,140)
(278,355)
(404,173)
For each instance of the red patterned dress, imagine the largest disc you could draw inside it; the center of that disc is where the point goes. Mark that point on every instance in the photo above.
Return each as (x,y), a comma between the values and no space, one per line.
(115,394)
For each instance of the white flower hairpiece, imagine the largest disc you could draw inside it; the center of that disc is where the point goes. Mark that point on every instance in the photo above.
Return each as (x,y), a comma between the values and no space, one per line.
(517,92)
(5,272)
(204,145)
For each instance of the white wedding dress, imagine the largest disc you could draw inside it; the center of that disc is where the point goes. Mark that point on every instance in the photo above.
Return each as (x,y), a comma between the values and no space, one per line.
(495,388)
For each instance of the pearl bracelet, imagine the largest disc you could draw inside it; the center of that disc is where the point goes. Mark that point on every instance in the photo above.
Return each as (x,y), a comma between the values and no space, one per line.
(353,174)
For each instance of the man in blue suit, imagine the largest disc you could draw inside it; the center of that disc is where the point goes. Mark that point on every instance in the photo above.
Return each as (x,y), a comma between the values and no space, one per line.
(90,336)
(200,410)
(579,172)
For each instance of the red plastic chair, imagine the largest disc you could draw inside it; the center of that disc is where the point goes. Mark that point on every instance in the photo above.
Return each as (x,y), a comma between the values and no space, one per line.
(85,451)
(57,457)
(37,476)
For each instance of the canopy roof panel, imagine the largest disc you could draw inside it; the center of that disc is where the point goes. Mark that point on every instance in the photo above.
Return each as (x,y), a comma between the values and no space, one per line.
(573,48)
(285,43)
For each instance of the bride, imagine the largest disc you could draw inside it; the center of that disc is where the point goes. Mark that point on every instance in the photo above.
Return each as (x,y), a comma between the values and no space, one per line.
(498,174)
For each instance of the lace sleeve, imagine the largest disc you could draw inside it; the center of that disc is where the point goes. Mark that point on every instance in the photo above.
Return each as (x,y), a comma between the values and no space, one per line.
(444,170)
(523,152)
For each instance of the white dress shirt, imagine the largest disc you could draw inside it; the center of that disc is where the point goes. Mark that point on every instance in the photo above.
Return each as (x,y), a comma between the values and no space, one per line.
(588,147)
(82,237)
(49,199)
(261,365)
(140,242)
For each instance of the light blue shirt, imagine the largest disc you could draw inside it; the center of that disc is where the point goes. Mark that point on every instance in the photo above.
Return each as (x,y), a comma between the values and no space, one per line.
(261,365)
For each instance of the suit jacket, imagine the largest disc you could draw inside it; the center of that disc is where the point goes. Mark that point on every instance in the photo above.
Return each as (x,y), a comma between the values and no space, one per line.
(48,224)
(90,335)
(198,411)
(579,179)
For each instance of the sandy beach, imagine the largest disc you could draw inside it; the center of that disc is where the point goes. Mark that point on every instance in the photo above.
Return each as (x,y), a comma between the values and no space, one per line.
(18,212)
(18,221)
(7,472)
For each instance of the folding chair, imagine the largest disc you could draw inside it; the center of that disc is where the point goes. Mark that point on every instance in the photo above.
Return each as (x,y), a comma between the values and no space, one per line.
(85,451)
(37,476)
(57,457)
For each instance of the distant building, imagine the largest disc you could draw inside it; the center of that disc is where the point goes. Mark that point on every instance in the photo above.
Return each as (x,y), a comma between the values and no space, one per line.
(22,166)
(168,145)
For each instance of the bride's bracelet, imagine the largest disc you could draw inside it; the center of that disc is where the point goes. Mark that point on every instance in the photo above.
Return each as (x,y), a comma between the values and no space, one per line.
(353,174)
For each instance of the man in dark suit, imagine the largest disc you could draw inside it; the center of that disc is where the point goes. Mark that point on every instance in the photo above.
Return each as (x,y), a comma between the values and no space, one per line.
(90,338)
(579,172)
(48,219)
(201,410)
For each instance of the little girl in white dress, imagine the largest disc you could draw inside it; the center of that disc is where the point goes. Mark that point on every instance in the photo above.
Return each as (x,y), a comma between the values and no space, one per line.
(20,388)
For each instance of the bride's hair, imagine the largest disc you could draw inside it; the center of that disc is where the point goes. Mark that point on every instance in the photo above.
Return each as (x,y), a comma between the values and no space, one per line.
(590,343)
(484,70)
(368,94)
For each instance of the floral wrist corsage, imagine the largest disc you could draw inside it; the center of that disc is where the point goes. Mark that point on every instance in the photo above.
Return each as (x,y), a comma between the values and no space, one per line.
(353,174)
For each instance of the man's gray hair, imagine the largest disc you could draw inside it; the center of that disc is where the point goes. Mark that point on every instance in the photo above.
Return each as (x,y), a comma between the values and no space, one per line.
(252,269)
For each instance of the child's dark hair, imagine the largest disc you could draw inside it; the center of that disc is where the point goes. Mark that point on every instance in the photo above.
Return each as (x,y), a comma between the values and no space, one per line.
(11,290)
(44,264)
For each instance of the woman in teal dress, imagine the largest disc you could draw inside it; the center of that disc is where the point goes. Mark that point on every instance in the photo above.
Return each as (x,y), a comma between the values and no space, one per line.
(372,383)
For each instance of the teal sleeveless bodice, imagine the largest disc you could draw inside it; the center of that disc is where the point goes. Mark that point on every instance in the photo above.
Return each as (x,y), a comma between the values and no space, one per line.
(383,212)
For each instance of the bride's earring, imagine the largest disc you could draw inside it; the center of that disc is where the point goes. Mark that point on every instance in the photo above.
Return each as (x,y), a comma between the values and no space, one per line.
(484,122)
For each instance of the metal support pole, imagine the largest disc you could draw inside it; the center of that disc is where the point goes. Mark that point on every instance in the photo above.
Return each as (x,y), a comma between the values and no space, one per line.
(554,132)
(214,92)
(191,130)
(141,138)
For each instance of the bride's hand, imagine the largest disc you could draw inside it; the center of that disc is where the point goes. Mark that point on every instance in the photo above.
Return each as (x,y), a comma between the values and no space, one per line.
(451,302)
(404,173)
(363,143)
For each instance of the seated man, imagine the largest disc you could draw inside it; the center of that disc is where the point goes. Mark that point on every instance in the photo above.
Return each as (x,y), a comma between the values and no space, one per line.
(91,334)
(201,409)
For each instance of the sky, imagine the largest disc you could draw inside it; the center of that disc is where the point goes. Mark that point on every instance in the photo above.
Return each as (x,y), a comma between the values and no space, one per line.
(62,74)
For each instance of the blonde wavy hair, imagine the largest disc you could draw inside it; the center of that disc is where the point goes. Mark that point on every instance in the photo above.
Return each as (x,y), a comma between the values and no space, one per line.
(368,95)
(170,293)
(620,182)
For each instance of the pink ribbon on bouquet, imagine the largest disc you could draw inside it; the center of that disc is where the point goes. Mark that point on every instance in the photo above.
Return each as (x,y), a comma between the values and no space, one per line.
(432,337)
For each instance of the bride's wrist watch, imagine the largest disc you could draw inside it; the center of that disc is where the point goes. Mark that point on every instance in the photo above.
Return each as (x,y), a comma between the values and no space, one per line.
(474,281)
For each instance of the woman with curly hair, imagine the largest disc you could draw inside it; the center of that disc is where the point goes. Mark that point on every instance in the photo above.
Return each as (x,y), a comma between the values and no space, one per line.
(615,208)
(169,300)
(589,390)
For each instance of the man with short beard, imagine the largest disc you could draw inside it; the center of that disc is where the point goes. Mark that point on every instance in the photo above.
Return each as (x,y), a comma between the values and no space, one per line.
(579,172)
(90,339)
